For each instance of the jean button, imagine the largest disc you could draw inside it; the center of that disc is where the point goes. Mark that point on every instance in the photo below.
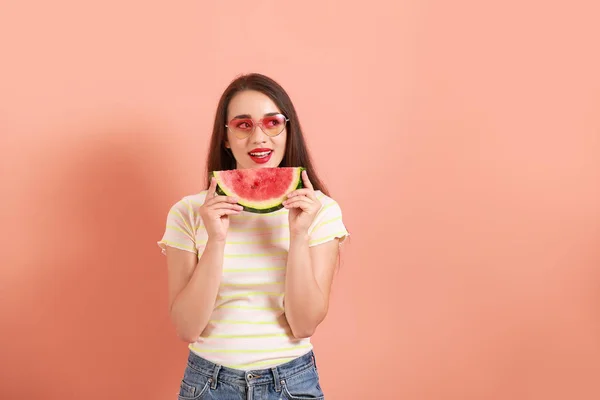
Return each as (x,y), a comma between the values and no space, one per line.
(249,376)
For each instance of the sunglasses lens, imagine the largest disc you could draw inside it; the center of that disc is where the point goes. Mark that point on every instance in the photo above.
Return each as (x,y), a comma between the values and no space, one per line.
(273,125)
(241,126)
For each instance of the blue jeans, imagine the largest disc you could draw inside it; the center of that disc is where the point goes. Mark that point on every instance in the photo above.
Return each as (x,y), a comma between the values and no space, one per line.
(295,380)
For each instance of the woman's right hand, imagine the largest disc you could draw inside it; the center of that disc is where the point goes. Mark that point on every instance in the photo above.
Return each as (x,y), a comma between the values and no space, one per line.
(215,212)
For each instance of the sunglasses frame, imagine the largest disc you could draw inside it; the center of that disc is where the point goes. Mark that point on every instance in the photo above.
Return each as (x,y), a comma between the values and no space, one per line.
(260,125)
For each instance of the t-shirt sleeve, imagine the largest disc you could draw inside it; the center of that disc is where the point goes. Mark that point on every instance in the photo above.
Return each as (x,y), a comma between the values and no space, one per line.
(180,228)
(328,224)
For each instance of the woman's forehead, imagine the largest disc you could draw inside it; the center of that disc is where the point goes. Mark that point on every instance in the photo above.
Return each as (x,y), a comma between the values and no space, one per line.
(251,103)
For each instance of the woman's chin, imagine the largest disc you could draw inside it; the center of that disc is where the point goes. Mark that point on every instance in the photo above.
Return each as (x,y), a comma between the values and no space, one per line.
(253,165)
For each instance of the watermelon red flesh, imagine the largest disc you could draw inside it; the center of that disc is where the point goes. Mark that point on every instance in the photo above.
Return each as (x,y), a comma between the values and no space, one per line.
(258,184)
(261,189)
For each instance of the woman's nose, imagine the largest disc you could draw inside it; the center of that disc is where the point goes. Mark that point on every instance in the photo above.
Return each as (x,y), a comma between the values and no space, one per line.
(258,136)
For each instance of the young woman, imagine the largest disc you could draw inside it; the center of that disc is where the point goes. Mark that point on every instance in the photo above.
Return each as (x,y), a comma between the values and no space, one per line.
(247,291)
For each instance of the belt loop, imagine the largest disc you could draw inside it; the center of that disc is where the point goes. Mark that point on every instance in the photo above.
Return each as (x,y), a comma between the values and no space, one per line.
(276,378)
(213,384)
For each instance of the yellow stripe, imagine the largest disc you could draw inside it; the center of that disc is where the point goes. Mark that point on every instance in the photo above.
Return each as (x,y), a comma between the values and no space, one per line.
(242,322)
(257,364)
(271,228)
(340,233)
(174,244)
(271,240)
(179,230)
(245,336)
(327,206)
(253,269)
(176,211)
(251,294)
(257,229)
(326,222)
(252,284)
(254,217)
(259,241)
(190,210)
(255,255)
(252,308)
(252,351)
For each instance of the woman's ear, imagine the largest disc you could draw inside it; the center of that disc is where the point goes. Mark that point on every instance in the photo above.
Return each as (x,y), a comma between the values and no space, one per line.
(227,146)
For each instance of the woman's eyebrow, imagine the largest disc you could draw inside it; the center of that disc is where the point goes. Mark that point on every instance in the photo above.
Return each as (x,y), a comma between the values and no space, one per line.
(242,116)
(249,116)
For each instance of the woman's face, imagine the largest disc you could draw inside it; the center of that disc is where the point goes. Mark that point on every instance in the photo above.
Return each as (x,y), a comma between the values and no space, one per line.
(247,109)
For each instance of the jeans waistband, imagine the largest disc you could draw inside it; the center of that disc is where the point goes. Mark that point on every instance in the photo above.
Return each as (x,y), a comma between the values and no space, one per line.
(251,377)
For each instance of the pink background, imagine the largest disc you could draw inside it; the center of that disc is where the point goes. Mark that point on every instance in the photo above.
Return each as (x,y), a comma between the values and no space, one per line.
(474,265)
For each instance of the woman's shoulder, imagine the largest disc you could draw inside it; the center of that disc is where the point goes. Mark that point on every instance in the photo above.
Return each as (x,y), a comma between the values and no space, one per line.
(325,199)
(196,197)
(190,202)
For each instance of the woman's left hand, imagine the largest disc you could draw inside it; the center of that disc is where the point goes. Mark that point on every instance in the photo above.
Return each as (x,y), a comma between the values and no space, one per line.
(303,205)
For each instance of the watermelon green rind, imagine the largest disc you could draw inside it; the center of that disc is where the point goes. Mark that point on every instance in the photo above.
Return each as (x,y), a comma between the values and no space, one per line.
(269,208)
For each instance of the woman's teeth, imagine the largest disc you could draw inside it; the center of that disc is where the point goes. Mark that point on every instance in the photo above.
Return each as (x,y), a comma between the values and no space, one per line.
(261,154)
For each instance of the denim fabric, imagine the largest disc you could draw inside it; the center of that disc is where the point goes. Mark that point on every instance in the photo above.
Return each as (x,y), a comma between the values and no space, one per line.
(295,380)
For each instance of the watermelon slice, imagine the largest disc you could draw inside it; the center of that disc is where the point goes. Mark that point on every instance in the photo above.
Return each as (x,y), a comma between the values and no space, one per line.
(259,190)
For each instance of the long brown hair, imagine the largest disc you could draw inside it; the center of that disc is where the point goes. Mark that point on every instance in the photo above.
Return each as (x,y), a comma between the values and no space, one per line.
(296,152)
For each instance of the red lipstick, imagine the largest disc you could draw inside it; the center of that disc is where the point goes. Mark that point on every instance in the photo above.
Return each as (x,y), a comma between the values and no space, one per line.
(260,155)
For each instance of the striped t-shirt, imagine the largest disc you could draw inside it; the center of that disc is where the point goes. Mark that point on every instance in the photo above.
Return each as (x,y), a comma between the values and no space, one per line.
(248,328)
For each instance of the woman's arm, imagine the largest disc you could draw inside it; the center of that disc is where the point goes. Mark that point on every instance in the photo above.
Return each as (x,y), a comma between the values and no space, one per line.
(308,280)
(193,287)
(194,284)
(309,268)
